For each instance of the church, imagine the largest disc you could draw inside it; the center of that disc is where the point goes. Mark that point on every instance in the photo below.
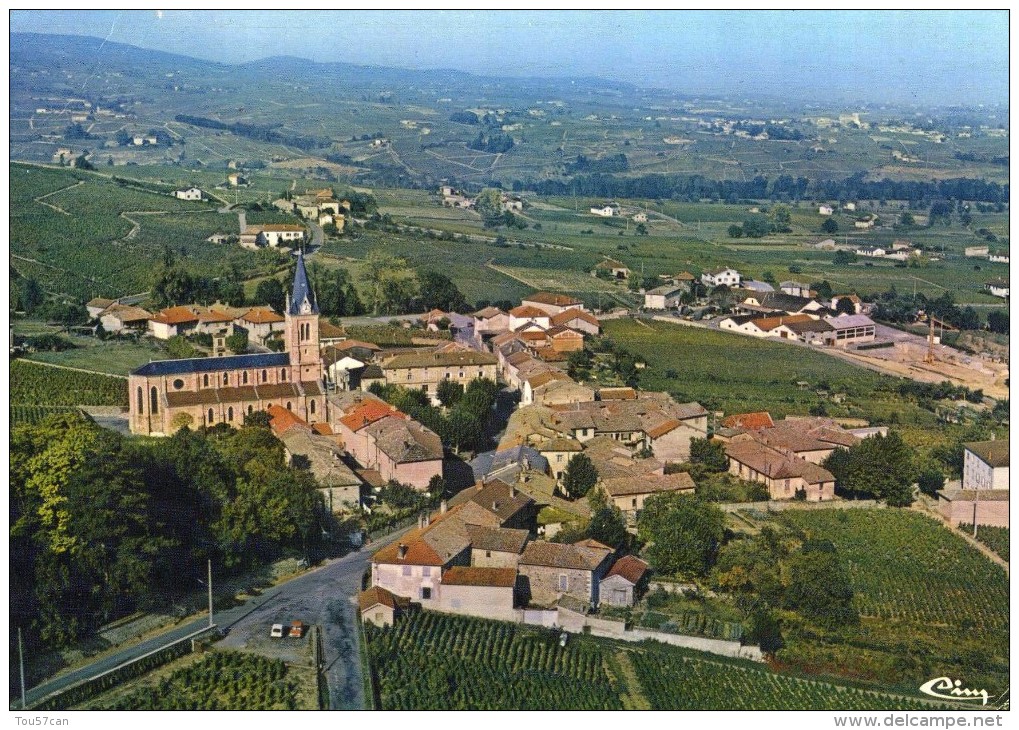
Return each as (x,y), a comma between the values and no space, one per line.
(168,394)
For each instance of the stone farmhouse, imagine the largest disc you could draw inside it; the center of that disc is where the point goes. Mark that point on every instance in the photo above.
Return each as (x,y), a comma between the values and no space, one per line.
(272,235)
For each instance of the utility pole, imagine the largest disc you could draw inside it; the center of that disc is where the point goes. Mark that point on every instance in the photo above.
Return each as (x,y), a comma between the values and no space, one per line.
(21,662)
(210,593)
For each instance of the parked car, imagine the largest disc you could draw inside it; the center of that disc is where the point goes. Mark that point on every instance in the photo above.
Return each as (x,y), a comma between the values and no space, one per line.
(276,632)
(297,629)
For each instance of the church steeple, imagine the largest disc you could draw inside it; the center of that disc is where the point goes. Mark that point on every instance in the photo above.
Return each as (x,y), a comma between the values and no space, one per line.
(302,298)
(302,327)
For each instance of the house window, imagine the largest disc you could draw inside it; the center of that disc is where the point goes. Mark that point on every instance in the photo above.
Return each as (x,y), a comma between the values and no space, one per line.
(230,413)
(559,458)
(407,570)
(251,409)
(408,375)
(426,571)
(265,376)
(312,408)
(141,400)
(205,380)
(426,593)
(564,582)
(290,406)
(634,505)
(786,485)
(210,416)
(244,377)
(378,617)
(226,378)
(154,398)
(488,553)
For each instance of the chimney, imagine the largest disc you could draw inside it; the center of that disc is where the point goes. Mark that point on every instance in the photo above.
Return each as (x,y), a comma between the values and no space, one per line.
(401,551)
(442,507)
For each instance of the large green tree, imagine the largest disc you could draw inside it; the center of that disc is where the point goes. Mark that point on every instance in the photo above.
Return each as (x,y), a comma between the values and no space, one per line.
(682,533)
(580,476)
(881,467)
(819,586)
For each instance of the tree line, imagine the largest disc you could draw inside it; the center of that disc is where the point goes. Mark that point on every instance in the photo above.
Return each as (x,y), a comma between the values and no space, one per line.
(102,525)
(782,187)
(256,132)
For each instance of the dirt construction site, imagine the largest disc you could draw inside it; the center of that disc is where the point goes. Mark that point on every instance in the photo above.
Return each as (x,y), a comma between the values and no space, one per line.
(906,357)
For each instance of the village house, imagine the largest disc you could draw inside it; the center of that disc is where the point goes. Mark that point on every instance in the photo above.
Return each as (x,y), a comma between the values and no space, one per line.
(381,607)
(314,446)
(985,465)
(578,320)
(614,268)
(625,582)
(719,277)
(855,300)
(525,314)
(552,304)
(489,322)
(188,194)
(630,492)
(663,297)
(341,370)
(605,211)
(382,438)
(561,392)
(812,332)
(479,591)
(811,438)
(118,318)
(825,210)
(497,547)
(998,288)
(796,289)
(550,571)
(870,251)
(977,251)
(424,371)
(207,391)
(271,235)
(97,306)
(173,321)
(785,476)
(998,257)
(261,323)
(765,326)
(749,421)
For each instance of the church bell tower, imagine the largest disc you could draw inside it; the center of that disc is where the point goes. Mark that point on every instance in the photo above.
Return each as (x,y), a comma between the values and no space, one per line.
(302,336)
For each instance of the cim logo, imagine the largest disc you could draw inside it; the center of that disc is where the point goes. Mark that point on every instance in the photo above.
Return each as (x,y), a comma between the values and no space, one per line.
(945,688)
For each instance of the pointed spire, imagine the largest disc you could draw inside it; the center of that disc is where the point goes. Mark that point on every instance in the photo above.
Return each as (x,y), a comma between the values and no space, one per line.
(302,292)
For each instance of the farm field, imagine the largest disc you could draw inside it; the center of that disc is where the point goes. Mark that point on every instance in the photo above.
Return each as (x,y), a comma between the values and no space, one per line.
(220,681)
(996,538)
(433,661)
(737,374)
(90,236)
(116,357)
(928,602)
(32,384)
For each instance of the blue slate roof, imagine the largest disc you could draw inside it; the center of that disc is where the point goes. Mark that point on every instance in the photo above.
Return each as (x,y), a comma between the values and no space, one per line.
(207,364)
(302,290)
(491,461)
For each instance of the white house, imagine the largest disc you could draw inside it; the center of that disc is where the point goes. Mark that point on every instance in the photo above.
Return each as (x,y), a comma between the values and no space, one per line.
(795,288)
(851,329)
(605,211)
(717,277)
(662,297)
(977,251)
(825,210)
(985,465)
(271,235)
(849,206)
(998,257)
(871,251)
(189,194)
(998,288)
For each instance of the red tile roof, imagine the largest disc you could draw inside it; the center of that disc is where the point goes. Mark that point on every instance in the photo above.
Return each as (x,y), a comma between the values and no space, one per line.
(487,577)
(368,413)
(281,420)
(628,567)
(261,315)
(525,311)
(176,315)
(568,315)
(374,596)
(752,421)
(557,300)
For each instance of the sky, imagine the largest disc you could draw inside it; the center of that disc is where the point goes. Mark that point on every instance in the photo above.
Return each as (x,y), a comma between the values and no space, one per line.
(921,56)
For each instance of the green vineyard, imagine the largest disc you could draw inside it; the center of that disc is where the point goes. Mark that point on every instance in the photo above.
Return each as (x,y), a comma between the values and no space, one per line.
(996,538)
(36,388)
(221,681)
(435,662)
(432,661)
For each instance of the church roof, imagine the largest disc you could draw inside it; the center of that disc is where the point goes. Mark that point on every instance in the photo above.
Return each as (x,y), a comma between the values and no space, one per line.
(302,290)
(209,364)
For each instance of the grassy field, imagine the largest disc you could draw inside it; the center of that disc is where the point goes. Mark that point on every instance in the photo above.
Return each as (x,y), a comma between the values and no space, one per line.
(432,661)
(737,374)
(928,602)
(116,357)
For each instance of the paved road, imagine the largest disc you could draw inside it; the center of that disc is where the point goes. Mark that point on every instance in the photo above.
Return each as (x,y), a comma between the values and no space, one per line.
(324,596)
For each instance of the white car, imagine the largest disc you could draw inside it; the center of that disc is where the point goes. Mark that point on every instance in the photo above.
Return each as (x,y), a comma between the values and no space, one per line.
(276,632)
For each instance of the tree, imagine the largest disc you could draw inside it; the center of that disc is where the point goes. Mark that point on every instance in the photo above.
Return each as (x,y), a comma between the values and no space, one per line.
(931,481)
(819,586)
(237,342)
(830,226)
(580,476)
(683,533)
(488,204)
(880,466)
(823,289)
(757,226)
(270,292)
(710,454)
(181,420)
(31,295)
(843,258)
(781,217)
(608,526)
(391,283)
(845,306)
(449,393)
(439,292)
(998,321)
(735,231)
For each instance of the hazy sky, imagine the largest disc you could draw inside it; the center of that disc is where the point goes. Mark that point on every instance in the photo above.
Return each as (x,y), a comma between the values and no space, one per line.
(913,55)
